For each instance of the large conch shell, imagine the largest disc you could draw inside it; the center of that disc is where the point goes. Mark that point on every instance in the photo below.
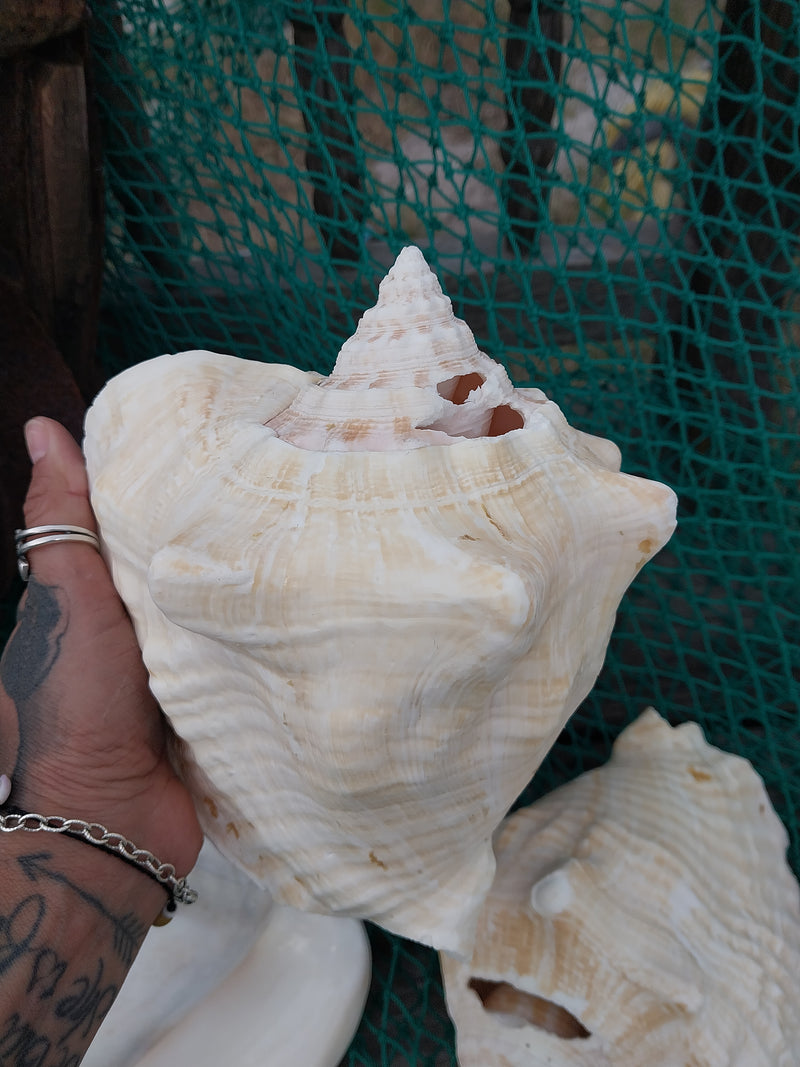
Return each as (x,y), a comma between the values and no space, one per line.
(369,602)
(641,915)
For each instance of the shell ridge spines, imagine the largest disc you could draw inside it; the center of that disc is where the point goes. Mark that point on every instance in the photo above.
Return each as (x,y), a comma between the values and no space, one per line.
(688,947)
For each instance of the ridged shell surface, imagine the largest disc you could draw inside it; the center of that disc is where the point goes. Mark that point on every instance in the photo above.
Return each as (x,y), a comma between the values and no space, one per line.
(369,602)
(641,915)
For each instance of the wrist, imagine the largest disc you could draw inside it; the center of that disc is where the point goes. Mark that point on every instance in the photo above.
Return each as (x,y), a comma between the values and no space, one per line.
(96,836)
(75,920)
(156,817)
(78,878)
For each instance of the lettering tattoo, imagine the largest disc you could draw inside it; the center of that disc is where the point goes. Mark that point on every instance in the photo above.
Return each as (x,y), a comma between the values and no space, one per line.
(17,933)
(87,1003)
(64,1003)
(19,929)
(58,980)
(46,973)
(21,1046)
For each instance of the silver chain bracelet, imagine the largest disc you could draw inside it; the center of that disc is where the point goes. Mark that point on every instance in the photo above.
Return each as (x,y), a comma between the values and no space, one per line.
(115,844)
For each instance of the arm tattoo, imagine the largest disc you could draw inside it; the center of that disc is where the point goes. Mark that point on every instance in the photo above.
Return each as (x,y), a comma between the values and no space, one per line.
(128,931)
(18,930)
(35,645)
(86,1004)
(63,1001)
(31,652)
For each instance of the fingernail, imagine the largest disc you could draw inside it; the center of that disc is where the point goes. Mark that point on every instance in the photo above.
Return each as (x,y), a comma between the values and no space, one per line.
(36,439)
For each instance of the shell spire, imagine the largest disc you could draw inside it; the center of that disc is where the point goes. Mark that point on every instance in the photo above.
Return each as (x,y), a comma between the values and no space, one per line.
(418,372)
(412,331)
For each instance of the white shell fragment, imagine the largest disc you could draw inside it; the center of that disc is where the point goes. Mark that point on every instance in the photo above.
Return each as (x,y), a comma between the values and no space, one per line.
(642,914)
(235,979)
(369,602)
(180,964)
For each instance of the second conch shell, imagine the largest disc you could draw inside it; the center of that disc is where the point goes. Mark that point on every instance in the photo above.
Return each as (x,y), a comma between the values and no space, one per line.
(368,602)
(643,914)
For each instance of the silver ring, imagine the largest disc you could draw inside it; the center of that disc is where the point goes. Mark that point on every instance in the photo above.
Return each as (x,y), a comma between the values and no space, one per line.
(35,536)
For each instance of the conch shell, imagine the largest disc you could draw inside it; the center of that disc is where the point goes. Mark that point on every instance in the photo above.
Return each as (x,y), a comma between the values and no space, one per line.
(369,602)
(642,914)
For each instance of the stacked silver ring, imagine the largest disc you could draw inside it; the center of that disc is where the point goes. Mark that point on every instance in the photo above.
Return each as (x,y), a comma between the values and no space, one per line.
(34,536)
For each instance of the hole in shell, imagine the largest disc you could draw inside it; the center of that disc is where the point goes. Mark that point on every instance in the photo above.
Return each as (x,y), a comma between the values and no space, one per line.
(517,1008)
(504,420)
(457,389)
(478,420)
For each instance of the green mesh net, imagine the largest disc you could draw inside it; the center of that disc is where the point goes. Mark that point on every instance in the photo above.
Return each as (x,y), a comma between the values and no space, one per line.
(610,195)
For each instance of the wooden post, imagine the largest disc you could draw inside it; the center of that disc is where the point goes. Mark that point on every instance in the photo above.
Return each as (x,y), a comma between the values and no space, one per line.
(51,194)
(324,70)
(533,67)
(51,235)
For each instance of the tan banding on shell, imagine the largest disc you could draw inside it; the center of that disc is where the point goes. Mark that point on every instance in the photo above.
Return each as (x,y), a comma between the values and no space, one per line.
(642,914)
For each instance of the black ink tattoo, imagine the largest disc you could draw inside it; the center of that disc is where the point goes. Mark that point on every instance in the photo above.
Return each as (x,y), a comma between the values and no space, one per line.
(35,644)
(18,930)
(30,655)
(46,972)
(127,929)
(78,1001)
(17,933)
(21,1046)
(88,1005)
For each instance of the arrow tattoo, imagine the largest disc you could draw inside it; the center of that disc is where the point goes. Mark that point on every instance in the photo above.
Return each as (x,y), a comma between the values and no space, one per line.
(128,930)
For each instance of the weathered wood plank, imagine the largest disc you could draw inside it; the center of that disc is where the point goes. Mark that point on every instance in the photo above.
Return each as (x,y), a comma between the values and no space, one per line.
(324,69)
(51,196)
(51,243)
(533,66)
(24,24)
(34,380)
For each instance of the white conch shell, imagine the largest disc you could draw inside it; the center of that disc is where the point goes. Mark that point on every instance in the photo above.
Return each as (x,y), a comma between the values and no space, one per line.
(366,624)
(642,914)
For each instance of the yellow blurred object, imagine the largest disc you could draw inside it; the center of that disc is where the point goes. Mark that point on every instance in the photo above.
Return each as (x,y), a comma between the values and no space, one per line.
(645,153)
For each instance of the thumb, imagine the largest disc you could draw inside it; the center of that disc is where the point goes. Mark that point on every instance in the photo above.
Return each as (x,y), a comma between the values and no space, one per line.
(58,493)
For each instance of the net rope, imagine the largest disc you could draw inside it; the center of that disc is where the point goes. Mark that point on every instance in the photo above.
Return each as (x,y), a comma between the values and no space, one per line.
(610,195)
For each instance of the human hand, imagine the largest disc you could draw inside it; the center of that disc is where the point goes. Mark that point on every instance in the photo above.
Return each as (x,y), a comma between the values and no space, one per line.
(80,733)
